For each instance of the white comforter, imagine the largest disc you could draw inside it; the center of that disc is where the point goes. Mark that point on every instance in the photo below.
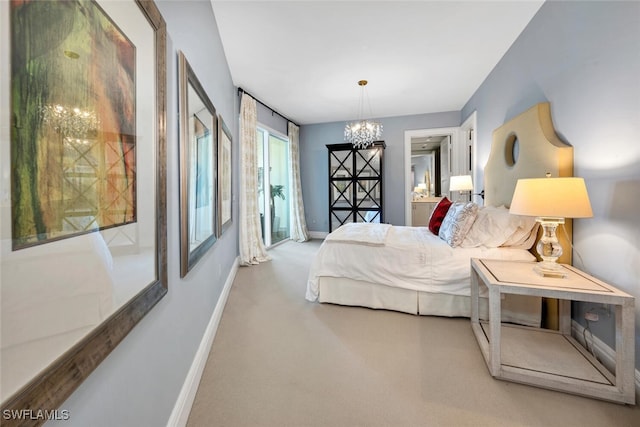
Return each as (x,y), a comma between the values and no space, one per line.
(410,258)
(360,233)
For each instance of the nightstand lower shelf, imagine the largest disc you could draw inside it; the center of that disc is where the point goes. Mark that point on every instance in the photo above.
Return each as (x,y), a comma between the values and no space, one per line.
(547,359)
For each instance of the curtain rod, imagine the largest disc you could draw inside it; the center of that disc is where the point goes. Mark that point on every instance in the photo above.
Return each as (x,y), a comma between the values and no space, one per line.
(240,91)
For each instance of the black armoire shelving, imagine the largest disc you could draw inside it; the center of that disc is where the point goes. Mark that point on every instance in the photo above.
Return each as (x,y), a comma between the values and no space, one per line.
(355,184)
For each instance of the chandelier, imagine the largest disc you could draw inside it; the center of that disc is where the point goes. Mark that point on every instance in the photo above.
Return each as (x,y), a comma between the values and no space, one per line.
(70,121)
(362,133)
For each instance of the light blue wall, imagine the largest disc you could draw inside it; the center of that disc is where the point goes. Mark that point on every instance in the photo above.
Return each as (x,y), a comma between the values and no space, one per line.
(314,164)
(584,58)
(139,382)
(273,121)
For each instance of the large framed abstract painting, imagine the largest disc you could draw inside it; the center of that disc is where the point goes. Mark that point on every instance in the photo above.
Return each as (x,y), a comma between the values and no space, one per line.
(224,180)
(83,199)
(73,103)
(198,168)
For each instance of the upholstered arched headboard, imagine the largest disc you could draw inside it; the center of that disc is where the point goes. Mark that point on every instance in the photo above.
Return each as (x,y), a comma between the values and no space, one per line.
(527,147)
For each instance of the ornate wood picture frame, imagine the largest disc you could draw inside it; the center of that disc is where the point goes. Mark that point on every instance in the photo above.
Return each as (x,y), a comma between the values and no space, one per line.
(198,168)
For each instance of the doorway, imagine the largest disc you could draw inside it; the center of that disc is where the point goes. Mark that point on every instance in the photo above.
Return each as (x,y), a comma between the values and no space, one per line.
(429,160)
(274,203)
(457,154)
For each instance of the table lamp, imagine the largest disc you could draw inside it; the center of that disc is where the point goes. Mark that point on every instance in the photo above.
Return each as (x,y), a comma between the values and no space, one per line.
(551,200)
(461,183)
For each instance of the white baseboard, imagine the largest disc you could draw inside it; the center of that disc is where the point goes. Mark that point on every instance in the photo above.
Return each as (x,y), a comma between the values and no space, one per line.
(605,354)
(182,408)
(318,234)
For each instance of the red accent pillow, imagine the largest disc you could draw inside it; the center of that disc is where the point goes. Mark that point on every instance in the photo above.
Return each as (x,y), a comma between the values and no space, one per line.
(438,214)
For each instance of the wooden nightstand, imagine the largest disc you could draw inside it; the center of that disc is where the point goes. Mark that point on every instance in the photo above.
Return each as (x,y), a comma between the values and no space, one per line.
(546,358)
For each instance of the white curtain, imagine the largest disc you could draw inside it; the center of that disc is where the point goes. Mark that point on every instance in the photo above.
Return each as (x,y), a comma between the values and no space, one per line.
(299,231)
(252,249)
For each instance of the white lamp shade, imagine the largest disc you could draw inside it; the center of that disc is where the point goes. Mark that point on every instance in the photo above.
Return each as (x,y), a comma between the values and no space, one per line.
(461,183)
(551,197)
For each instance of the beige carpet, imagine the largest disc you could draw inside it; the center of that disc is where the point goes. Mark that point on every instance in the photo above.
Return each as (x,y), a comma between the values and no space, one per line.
(279,360)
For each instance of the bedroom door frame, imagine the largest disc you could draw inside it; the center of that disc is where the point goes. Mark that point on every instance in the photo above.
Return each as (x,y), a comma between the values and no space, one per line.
(468,132)
(463,154)
(452,132)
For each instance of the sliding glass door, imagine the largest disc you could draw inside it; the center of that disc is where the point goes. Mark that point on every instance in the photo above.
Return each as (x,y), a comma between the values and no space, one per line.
(273,150)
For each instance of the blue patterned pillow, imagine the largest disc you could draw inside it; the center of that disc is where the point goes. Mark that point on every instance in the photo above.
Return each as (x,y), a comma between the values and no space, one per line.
(458,222)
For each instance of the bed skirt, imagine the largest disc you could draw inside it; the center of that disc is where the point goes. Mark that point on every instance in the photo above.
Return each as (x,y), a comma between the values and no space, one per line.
(523,310)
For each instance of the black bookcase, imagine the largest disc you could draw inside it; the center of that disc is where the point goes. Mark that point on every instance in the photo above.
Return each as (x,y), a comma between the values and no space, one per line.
(355,184)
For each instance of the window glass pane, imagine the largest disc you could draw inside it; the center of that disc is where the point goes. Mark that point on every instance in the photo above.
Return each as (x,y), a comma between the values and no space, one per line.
(260,134)
(280,188)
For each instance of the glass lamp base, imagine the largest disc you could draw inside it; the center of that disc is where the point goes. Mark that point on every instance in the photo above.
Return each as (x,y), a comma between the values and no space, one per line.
(549,249)
(550,269)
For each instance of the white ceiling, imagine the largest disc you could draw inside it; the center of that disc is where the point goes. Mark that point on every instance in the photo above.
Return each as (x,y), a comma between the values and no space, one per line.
(304,58)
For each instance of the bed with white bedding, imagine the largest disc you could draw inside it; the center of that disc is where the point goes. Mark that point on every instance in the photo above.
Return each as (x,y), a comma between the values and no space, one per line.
(407,257)
(412,261)
(413,270)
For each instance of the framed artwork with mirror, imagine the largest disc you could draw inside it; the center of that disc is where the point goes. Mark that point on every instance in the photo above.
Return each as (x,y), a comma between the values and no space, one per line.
(83,210)
(198,168)
(224,181)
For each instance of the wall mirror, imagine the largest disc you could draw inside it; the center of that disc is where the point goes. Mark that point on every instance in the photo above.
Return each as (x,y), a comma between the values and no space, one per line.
(82,193)
(198,168)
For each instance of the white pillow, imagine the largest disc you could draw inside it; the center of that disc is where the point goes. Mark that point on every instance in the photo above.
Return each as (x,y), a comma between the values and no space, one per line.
(522,240)
(495,227)
(457,223)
